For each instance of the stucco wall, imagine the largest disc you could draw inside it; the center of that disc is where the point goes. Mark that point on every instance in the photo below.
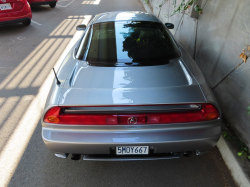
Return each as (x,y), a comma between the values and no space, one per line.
(215,41)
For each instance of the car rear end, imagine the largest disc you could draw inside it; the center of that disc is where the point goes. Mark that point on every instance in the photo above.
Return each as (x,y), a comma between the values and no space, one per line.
(127,94)
(132,132)
(130,113)
(15,11)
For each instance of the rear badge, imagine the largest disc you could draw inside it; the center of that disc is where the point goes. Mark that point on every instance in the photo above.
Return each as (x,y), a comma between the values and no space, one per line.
(3,1)
(132,120)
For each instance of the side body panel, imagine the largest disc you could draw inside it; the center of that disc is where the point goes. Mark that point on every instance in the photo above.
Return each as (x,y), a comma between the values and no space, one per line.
(63,72)
(197,74)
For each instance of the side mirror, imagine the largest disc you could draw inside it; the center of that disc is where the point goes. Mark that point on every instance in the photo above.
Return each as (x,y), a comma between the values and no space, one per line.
(169,25)
(81,27)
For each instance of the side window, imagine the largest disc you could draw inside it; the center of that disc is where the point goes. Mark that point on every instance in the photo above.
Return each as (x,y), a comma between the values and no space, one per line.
(83,45)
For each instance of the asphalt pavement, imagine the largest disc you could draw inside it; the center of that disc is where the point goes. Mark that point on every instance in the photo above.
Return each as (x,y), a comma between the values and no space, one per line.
(27,55)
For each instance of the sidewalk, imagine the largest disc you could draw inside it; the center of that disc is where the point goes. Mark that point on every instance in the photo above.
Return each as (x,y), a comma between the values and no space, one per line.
(239,166)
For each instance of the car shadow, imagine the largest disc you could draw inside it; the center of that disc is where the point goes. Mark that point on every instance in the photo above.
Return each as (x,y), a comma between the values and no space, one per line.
(41,8)
(14,27)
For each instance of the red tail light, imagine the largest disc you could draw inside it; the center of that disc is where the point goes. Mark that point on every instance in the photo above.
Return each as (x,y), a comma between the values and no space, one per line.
(55,115)
(19,5)
(208,112)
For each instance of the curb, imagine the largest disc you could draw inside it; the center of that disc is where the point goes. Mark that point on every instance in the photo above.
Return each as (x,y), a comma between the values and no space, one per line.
(234,164)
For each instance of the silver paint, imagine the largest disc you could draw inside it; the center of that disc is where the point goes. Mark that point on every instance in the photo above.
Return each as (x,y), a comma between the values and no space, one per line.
(161,84)
(165,138)
(125,16)
(179,82)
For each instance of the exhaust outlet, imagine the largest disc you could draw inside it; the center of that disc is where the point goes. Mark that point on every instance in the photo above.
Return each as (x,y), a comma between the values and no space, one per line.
(76,157)
(187,154)
(61,155)
(201,152)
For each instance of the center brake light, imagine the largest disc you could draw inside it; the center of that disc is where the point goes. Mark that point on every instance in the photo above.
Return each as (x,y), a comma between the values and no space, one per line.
(55,115)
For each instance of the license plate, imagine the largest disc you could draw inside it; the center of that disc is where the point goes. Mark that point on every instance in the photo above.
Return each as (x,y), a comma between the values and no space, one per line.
(5,6)
(132,150)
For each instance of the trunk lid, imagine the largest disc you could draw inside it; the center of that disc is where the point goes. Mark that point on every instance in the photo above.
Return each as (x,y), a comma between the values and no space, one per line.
(133,85)
(7,1)
(15,5)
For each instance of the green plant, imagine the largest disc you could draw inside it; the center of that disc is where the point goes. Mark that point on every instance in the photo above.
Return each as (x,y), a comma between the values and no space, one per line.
(243,149)
(198,9)
(248,110)
(183,6)
(147,1)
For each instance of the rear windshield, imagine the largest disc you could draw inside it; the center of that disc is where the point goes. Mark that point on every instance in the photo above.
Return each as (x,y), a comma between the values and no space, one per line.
(127,42)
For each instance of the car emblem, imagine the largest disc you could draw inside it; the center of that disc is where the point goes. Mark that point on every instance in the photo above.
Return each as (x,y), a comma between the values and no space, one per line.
(3,1)
(132,120)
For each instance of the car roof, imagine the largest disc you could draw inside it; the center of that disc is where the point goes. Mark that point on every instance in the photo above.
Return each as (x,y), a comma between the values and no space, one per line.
(125,16)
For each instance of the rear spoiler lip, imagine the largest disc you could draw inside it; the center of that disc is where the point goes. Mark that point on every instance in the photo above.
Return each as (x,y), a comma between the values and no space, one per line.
(132,109)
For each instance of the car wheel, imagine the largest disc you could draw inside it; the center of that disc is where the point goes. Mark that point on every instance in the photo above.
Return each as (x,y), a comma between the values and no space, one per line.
(52,5)
(26,22)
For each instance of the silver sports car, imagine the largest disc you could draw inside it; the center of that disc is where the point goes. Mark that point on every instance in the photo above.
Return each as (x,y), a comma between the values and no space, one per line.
(128,91)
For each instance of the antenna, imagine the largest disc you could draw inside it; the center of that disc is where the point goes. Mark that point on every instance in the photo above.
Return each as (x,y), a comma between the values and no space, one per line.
(57,81)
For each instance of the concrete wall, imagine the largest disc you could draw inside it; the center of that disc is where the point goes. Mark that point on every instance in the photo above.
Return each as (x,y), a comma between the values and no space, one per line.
(215,41)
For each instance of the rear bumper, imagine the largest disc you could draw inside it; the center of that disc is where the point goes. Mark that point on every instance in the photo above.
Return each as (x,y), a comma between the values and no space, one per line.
(103,139)
(41,2)
(16,16)
(13,21)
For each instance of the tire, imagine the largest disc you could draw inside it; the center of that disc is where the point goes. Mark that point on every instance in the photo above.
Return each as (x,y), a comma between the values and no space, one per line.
(52,5)
(26,22)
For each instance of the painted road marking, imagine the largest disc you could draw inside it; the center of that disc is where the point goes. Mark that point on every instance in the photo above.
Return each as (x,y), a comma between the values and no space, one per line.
(17,143)
(36,22)
(65,5)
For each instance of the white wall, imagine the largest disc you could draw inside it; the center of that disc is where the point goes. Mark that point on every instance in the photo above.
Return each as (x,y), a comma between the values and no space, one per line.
(223,31)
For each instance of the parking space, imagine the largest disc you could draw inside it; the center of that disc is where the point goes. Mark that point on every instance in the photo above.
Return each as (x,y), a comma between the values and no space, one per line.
(27,56)
(64,3)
